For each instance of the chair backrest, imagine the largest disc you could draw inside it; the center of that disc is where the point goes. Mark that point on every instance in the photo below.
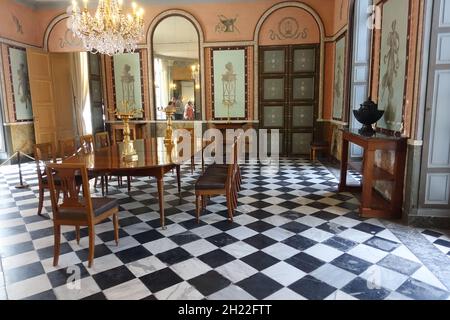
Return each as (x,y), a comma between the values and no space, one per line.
(87,143)
(67,174)
(67,147)
(102,139)
(43,153)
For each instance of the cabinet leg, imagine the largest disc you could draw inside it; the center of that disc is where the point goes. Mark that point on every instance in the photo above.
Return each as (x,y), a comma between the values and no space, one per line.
(344,163)
(366,196)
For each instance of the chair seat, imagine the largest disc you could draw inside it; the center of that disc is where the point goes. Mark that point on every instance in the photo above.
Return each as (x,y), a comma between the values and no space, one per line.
(217,169)
(99,206)
(319,144)
(210,181)
(57,179)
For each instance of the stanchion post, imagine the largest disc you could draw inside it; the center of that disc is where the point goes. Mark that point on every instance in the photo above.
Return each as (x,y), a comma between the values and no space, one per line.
(21,185)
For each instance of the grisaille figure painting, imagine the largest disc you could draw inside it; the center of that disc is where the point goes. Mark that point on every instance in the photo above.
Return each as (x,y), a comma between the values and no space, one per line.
(393,63)
(229,84)
(338,85)
(20,84)
(127,80)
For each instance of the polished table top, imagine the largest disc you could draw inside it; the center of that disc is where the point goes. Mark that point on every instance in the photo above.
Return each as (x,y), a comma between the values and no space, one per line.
(152,153)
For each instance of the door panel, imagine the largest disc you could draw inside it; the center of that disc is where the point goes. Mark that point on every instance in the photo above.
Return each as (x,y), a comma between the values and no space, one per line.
(273,116)
(302,116)
(303,89)
(96,93)
(435,176)
(273,89)
(288,100)
(62,88)
(274,61)
(301,143)
(305,60)
(43,101)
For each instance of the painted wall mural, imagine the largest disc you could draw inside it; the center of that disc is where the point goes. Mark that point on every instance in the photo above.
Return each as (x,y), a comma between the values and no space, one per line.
(226,24)
(394,34)
(127,81)
(288,28)
(18,24)
(20,84)
(338,84)
(229,84)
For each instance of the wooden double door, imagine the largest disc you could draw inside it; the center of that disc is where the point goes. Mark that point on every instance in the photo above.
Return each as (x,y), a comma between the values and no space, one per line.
(288,94)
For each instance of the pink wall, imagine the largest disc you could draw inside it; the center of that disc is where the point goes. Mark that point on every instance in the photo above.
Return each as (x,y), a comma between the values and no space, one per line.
(17,23)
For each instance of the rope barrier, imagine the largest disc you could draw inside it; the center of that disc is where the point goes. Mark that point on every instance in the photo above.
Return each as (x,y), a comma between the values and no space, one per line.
(21,184)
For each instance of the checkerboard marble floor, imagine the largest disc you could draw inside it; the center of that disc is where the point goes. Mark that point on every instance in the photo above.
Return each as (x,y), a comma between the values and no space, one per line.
(293,237)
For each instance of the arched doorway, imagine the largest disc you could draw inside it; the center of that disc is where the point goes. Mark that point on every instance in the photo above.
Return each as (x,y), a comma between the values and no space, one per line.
(290,63)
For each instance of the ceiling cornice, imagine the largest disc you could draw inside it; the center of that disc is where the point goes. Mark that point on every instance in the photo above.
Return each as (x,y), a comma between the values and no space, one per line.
(58,4)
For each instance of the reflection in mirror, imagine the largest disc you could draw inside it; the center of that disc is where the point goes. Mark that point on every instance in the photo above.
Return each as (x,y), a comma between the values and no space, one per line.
(176,68)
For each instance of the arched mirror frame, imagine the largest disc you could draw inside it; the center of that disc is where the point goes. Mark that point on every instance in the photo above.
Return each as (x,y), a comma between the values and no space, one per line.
(159,18)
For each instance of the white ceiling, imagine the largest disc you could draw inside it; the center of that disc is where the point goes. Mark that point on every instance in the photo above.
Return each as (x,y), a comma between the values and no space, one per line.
(176,37)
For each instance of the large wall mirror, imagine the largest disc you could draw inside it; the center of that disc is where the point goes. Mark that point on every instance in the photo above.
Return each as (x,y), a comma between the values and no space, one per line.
(176,68)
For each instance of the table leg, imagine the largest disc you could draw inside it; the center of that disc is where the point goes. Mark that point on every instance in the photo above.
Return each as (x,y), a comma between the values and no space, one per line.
(160,183)
(344,163)
(366,197)
(178,179)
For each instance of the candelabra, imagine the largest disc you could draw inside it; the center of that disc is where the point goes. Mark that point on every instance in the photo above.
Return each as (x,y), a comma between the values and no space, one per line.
(170,111)
(127,113)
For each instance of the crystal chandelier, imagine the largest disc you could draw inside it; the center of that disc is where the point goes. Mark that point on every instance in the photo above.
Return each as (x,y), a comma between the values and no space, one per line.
(109,31)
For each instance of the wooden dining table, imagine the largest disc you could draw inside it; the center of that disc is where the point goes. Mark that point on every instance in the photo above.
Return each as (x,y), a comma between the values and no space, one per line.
(155,159)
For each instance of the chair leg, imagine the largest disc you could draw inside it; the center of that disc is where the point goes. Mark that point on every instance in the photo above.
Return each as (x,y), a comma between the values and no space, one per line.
(204,202)
(91,245)
(106,184)
(197,207)
(95,182)
(102,182)
(229,207)
(58,192)
(77,232)
(129,183)
(56,246)
(41,200)
(116,228)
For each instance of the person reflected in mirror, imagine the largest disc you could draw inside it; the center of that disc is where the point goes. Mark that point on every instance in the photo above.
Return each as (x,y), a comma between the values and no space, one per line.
(189,111)
(179,108)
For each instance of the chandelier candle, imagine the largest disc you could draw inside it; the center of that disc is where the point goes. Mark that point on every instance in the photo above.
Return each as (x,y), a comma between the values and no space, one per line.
(109,31)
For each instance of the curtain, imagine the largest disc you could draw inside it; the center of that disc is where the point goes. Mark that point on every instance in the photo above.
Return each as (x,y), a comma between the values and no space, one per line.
(80,89)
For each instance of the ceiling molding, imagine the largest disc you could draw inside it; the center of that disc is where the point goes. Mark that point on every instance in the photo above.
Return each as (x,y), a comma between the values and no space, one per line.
(57,4)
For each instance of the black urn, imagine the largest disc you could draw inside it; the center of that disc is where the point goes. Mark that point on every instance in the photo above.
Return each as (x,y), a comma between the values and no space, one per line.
(368,114)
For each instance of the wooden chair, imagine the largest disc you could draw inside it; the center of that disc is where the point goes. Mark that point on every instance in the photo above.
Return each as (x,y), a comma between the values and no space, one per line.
(67,148)
(87,143)
(77,212)
(102,141)
(213,183)
(319,146)
(44,153)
